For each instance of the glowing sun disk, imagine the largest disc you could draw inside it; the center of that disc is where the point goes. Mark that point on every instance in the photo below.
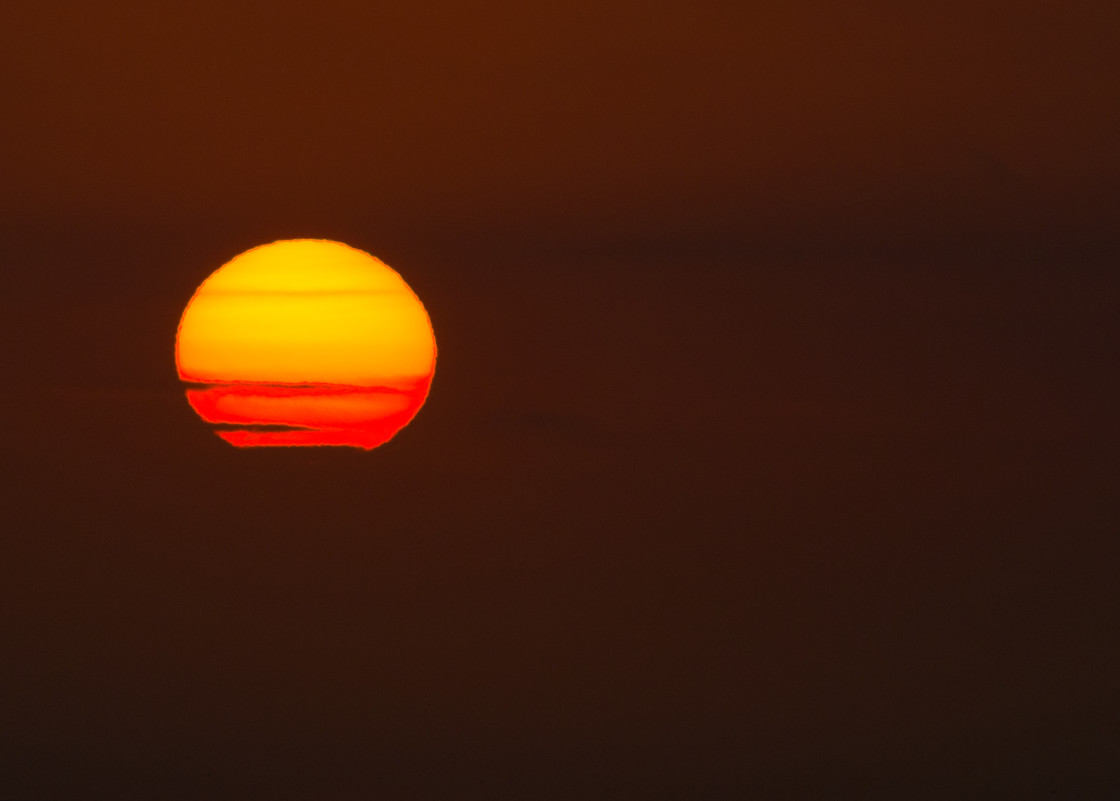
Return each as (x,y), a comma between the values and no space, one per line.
(306,334)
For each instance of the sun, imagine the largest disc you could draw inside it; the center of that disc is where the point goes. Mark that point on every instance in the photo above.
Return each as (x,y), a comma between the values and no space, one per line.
(305,342)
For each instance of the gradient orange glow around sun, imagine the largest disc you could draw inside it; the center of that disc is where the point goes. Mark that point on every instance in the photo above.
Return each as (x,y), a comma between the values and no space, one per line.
(305,342)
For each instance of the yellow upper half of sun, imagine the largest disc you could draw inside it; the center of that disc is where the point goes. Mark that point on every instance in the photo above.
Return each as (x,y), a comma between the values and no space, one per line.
(305,310)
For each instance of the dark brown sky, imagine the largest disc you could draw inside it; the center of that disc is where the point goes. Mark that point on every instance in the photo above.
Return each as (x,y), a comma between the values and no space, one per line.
(597,116)
(771,451)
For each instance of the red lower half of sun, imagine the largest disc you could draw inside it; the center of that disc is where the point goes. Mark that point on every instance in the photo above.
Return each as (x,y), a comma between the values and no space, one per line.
(262,414)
